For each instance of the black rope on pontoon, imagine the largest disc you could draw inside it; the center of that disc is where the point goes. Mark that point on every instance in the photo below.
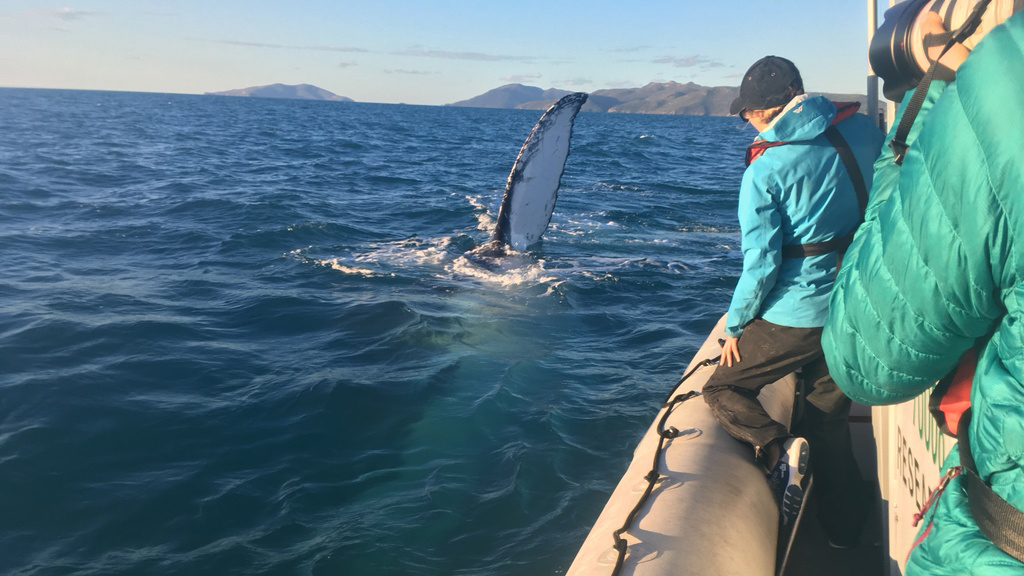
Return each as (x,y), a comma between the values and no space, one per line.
(671,401)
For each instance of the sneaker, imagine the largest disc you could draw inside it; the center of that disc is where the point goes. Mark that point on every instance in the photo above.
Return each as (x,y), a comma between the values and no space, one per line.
(787,478)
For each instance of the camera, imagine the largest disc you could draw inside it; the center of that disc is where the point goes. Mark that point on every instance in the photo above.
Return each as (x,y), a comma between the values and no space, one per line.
(901,51)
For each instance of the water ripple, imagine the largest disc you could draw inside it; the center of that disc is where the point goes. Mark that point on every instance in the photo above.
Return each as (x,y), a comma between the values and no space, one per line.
(240,336)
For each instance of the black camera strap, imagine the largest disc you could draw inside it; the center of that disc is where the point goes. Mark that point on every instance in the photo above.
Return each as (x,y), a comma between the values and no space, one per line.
(899,140)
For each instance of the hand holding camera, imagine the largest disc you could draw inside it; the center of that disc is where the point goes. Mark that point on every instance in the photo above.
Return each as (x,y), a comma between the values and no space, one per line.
(935,36)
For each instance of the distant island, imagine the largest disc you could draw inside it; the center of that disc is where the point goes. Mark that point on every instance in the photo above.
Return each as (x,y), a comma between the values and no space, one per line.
(296,92)
(655,98)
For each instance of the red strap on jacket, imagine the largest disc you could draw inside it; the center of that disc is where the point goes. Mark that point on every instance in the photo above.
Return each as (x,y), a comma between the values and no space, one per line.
(957,398)
(755,150)
(843,111)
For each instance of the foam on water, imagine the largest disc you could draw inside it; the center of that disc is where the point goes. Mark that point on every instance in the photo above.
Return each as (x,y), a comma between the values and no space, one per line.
(335,265)
(512,272)
(484,218)
(410,257)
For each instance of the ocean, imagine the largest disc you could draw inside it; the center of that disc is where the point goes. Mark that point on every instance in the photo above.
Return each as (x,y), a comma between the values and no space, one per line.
(239,336)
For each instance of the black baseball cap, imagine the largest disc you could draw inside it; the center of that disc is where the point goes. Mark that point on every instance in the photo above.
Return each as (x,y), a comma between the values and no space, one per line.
(766,85)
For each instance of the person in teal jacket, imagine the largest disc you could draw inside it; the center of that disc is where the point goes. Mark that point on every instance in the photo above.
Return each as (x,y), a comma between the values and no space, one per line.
(934,271)
(798,207)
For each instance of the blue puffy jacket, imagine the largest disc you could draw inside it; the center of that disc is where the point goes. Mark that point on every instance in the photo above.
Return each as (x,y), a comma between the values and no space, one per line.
(799,193)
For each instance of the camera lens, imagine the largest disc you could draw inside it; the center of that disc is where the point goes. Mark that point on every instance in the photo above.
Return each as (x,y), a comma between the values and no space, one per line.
(891,54)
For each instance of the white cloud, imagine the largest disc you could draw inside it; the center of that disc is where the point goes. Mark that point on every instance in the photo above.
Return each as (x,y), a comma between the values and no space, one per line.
(319,48)
(478,56)
(630,49)
(522,78)
(70,14)
(694,61)
(576,82)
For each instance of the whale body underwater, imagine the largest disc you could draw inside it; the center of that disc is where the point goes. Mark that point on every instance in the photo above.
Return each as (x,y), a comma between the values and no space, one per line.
(533,183)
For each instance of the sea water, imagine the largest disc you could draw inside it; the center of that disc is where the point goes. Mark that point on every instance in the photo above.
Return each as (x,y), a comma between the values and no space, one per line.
(239,336)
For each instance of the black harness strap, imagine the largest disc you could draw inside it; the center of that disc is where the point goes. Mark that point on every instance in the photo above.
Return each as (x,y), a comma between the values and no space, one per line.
(817,248)
(998,520)
(859,184)
(850,162)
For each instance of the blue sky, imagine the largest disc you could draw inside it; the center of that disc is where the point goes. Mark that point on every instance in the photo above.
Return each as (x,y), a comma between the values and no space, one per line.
(426,51)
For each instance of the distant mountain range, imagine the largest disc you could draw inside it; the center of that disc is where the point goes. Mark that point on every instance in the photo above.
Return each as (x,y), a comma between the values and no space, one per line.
(655,98)
(297,92)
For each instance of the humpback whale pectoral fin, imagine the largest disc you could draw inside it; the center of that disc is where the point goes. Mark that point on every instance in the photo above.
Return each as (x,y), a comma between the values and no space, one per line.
(533,184)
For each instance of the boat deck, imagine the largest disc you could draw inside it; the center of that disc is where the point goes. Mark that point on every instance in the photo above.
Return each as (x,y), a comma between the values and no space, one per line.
(811,553)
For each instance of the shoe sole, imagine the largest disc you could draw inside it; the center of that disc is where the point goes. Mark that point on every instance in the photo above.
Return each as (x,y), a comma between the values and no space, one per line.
(792,501)
(793,497)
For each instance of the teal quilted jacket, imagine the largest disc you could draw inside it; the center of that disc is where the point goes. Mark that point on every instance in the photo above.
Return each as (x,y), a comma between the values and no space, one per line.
(936,269)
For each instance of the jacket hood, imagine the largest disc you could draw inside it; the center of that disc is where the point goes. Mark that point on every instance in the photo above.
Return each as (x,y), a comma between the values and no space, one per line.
(806,121)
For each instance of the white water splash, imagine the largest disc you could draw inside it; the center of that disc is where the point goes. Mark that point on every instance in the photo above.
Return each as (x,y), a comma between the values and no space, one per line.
(410,257)
(513,271)
(484,219)
(336,265)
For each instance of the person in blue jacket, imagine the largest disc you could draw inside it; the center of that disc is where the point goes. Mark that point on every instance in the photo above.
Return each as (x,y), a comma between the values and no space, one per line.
(798,209)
